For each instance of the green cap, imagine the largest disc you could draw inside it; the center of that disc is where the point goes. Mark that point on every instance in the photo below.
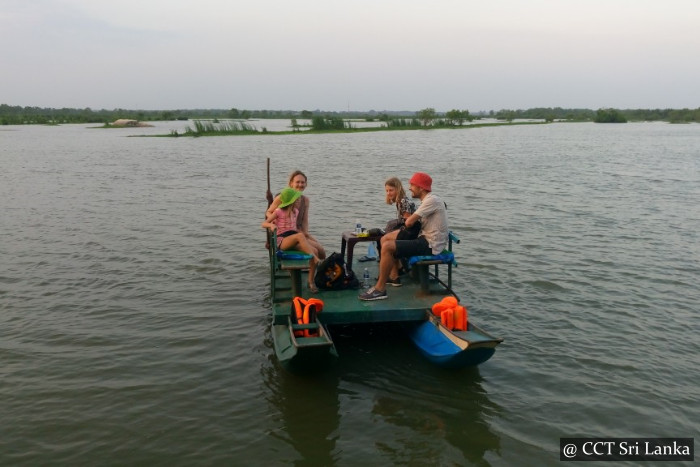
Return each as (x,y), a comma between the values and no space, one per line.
(288,196)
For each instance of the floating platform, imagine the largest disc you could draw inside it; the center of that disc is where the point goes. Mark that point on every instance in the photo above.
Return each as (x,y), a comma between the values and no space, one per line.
(405,303)
(410,303)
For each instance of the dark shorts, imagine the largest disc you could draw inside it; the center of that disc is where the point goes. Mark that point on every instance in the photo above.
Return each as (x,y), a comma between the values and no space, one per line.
(416,247)
(281,236)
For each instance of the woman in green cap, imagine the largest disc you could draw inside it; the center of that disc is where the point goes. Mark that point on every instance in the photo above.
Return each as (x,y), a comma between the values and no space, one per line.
(284,220)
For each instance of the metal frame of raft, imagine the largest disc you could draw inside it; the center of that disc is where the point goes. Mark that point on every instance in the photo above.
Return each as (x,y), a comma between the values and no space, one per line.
(411,303)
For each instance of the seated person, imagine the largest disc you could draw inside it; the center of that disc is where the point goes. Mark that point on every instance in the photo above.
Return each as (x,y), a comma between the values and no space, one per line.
(432,239)
(396,228)
(395,194)
(284,220)
(298,181)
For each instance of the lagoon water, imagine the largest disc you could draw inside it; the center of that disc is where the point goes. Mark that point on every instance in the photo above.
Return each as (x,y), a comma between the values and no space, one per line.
(134,313)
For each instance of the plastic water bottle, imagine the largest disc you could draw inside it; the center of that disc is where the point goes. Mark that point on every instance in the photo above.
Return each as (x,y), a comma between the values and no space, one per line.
(372,251)
(358,228)
(365,278)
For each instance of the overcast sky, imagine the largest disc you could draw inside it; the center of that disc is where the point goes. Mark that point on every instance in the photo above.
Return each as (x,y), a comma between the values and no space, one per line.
(356,54)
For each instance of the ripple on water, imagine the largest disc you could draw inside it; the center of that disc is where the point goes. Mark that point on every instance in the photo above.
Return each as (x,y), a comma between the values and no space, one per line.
(135,302)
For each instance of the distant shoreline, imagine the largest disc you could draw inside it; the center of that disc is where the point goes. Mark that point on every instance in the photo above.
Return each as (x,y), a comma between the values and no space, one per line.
(18,115)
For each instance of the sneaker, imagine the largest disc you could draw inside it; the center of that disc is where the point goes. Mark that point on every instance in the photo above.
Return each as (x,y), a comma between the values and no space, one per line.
(373,294)
(395,282)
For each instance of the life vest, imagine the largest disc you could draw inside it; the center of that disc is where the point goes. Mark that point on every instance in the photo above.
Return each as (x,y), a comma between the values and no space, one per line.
(452,315)
(305,313)
(460,318)
(444,304)
(448,318)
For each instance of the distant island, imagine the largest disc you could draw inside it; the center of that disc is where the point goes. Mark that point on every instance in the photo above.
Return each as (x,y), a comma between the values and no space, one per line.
(320,124)
(126,123)
(18,115)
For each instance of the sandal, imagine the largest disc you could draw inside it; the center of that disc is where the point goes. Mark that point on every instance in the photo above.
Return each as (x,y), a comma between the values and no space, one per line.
(313,288)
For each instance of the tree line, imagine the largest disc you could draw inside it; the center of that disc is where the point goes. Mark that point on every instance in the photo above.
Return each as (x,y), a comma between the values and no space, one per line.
(18,115)
(635,115)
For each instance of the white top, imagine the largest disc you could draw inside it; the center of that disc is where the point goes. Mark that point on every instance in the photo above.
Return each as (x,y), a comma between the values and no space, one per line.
(433,216)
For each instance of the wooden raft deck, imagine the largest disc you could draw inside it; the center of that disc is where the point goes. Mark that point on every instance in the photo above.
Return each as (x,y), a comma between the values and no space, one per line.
(405,303)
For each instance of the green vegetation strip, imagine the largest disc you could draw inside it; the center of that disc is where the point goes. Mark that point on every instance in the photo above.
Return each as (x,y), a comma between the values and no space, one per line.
(242,129)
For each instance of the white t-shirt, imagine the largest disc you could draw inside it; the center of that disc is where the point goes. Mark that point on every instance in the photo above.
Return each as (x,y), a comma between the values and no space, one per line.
(433,217)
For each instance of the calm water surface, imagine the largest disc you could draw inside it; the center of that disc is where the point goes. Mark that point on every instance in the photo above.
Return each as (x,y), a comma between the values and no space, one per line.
(134,313)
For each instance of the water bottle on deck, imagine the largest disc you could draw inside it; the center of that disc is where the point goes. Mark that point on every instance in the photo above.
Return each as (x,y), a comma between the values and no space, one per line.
(365,278)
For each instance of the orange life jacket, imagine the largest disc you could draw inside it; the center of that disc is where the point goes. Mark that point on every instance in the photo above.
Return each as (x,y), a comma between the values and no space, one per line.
(447,318)
(304,314)
(444,304)
(452,315)
(460,318)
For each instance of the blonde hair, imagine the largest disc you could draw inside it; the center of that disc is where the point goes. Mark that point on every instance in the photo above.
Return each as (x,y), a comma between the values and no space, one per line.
(395,183)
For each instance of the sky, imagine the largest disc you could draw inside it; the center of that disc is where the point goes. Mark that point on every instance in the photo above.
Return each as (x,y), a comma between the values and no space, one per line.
(355,55)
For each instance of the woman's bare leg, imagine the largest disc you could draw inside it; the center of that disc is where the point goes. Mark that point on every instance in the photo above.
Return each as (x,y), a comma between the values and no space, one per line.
(320,251)
(300,242)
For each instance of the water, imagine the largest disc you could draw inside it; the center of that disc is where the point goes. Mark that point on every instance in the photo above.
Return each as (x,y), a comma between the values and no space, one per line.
(134,313)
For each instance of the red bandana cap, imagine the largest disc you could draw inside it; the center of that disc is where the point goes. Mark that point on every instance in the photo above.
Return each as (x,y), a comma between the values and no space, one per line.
(423,180)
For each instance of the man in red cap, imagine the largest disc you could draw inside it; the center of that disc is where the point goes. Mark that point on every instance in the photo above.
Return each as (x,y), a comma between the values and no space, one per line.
(431,240)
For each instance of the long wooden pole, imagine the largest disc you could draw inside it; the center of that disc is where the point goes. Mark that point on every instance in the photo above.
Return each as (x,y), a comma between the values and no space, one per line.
(268,195)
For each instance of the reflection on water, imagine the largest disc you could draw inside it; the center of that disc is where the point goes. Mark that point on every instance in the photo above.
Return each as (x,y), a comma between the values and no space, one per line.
(404,409)
(309,410)
(447,424)
(384,402)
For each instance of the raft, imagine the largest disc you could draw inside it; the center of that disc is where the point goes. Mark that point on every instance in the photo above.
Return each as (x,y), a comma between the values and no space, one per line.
(410,304)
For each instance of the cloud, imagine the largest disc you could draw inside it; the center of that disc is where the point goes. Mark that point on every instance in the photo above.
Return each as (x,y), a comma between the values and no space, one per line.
(389,54)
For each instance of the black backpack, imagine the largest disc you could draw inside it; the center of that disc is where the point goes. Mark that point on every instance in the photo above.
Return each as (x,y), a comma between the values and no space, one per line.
(332,274)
